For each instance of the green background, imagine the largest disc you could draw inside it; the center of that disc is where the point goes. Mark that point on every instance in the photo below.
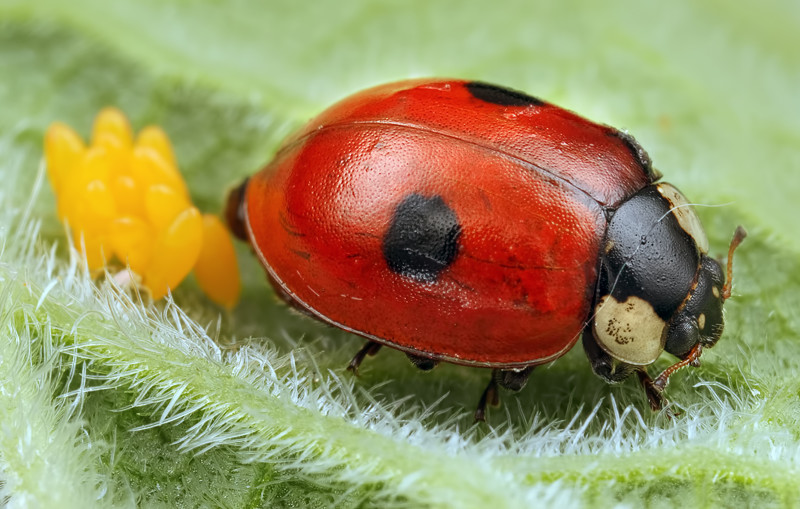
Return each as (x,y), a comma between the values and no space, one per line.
(109,402)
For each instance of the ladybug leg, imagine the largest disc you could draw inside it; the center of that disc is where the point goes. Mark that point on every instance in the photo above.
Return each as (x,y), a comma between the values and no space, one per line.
(512,379)
(370,348)
(489,396)
(654,392)
(423,363)
(655,388)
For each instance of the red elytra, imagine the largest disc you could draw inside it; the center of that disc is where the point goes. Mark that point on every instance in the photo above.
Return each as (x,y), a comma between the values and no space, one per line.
(526,183)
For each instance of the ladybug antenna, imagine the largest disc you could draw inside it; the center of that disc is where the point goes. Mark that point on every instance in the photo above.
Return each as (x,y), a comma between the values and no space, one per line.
(738,237)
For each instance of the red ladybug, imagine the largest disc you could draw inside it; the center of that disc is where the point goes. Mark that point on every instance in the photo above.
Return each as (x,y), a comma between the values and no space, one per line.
(464,222)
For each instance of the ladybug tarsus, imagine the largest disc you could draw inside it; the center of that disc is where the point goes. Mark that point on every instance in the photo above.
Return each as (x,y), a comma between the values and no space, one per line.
(370,348)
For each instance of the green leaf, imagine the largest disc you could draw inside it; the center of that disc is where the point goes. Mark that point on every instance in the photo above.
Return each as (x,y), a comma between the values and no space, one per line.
(106,401)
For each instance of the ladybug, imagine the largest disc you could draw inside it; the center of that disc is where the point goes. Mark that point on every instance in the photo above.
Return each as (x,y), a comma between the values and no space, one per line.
(464,222)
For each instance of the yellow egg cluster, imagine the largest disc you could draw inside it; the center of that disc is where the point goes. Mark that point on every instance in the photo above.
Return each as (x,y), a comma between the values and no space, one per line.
(126,199)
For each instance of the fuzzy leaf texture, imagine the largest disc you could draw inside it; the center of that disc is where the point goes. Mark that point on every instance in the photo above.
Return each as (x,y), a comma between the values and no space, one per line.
(109,402)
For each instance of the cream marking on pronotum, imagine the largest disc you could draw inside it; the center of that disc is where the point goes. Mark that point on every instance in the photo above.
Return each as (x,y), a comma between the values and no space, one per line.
(626,330)
(684,214)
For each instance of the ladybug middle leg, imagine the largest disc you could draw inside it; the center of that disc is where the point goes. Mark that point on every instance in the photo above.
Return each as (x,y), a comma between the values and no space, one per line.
(370,348)
(513,380)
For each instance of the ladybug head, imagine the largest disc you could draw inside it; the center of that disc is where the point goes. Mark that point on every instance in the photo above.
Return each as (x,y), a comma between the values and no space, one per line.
(700,322)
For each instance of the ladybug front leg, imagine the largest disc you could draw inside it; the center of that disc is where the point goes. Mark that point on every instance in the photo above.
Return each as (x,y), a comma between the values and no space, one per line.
(653,391)
(370,348)
(655,388)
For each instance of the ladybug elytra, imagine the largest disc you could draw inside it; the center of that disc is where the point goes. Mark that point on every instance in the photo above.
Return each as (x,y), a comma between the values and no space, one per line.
(469,223)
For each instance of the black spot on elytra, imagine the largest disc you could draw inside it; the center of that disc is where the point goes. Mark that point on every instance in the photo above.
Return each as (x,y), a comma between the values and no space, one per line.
(422,240)
(639,153)
(500,95)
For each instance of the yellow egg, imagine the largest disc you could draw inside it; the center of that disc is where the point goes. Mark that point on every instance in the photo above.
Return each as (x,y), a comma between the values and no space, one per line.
(63,150)
(131,240)
(128,195)
(96,165)
(98,205)
(69,200)
(175,253)
(91,245)
(217,270)
(149,168)
(112,122)
(131,202)
(162,205)
(117,154)
(155,138)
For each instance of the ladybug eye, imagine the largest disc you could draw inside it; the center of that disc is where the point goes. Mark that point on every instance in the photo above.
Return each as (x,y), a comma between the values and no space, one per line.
(682,336)
(700,321)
